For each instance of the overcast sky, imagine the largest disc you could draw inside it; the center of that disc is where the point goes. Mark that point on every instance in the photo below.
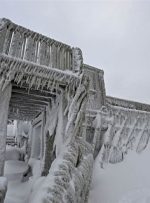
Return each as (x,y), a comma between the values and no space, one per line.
(113,35)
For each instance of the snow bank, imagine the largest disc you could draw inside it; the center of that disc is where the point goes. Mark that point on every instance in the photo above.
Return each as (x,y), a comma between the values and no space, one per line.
(18,192)
(125,182)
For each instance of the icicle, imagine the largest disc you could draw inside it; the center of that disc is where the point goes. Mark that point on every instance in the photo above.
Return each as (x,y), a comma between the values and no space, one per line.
(52,75)
(20,77)
(107,145)
(39,83)
(69,100)
(75,113)
(43,84)
(53,85)
(49,84)
(32,81)
(116,156)
(28,79)
(118,134)
(143,142)
(128,141)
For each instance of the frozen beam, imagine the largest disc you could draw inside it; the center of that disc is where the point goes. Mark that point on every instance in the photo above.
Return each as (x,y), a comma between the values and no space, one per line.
(20,101)
(24,112)
(41,93)
(17,104)
(30,98)
(14,107)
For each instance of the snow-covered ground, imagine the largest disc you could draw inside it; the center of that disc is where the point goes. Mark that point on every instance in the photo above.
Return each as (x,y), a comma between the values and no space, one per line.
(18,192)
(125,182)
(15,169)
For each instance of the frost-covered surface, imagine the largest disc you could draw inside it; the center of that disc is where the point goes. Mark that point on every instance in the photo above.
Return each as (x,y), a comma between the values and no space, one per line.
(15,169)
(125,182)
(18,192)
(69,175)
(127,104)
(68,180)
(37,75)
(18,189)
(42,60)
(73,129)
(126,130)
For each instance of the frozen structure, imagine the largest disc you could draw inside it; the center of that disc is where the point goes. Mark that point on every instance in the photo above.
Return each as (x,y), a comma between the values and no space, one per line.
(64,118)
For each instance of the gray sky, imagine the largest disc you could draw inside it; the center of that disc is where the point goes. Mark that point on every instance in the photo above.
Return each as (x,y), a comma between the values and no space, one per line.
(113,35)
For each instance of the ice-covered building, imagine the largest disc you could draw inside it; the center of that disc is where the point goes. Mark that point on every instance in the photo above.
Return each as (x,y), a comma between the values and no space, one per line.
(63,114)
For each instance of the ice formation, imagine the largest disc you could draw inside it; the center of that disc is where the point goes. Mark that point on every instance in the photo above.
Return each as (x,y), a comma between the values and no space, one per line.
(70,120)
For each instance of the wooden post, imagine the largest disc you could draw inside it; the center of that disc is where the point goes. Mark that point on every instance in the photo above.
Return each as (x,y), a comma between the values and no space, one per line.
(4,106)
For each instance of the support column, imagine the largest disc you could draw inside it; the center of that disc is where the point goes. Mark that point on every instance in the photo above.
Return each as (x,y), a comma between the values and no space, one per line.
(4,106)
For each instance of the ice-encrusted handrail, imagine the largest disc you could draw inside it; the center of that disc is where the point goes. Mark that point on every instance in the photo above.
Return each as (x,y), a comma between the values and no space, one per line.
(69,177)
(127,103)
(28,45)
(127,129)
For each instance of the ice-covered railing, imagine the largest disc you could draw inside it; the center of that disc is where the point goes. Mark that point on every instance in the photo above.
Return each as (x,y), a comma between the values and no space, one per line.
(69,177)
(115,131)
(126,129)
(127,103)
(69,174)
(22,43)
